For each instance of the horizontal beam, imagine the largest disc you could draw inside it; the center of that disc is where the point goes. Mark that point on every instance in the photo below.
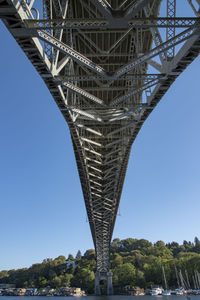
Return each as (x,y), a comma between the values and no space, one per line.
(123,78)
(179,22)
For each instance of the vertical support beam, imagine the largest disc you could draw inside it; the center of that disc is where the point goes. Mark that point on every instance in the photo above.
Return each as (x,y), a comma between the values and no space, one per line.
(171,31)
(47,47)
(109,284)
(97,289)
(156,36)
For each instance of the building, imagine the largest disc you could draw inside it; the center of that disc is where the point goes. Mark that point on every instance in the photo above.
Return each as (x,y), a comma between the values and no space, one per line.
(7,286)
(70,263)
(136,291)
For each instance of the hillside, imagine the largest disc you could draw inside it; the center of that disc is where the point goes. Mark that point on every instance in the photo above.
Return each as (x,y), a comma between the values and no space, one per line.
(135,262)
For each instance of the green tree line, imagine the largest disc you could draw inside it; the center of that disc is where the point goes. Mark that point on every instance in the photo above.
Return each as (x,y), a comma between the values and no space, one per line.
(135,262)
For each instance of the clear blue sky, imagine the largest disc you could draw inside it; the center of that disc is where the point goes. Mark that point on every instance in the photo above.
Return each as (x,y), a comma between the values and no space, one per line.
(42,211)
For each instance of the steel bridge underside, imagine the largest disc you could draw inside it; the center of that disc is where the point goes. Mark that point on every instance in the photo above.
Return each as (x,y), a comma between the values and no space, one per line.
(94,58)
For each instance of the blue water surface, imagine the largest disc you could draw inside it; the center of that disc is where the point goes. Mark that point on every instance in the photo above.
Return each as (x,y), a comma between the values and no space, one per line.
(121,297)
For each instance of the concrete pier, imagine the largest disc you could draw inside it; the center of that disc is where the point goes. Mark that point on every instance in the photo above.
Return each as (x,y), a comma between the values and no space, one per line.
(107,276)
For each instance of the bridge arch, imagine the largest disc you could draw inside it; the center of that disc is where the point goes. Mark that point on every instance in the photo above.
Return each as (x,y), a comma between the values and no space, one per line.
(95,60)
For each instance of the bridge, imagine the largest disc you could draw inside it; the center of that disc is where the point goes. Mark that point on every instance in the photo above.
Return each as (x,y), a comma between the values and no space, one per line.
(107,64)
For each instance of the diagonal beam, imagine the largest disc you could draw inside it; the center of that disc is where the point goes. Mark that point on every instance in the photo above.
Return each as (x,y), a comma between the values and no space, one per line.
(193,7)
(82,113)
(93,152)
(134,92)
(82,92)
(134,8)
(61,64)
(93,161)
(91,142)
(104,8)
(112,153)
(75,55)
(186,34)
(131,124)
(94,175)
(95,132)
(95,182)
(155,65)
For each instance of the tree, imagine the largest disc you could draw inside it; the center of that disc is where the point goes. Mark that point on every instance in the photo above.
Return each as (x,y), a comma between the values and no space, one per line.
(174,247)
(88,263)
(51,274)
(42,282)
(4,274)
(196,241)
(124,275)
(47,260)
(115,245)
(56,282)
(139,279)
(70,257)
(137,258)
(129,244)
(84,278)
(133,262)
(66,279)
(160,244)
(89,254)
(60,260)
(153,272)
(160,250)
(197,245)
(78,255)
(143,244)
(116,260)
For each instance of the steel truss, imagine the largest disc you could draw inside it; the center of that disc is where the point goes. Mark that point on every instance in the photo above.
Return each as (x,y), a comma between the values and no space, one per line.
(96,57)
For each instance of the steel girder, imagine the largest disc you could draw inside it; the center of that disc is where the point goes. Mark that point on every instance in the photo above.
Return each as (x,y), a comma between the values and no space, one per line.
(107,65)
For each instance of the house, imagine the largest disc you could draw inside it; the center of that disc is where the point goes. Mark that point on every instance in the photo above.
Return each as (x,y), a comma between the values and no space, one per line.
(70,263)
(7,286)
(136,291)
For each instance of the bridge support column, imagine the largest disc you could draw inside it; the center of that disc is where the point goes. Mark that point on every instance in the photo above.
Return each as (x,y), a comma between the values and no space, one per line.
(109,284)
(97,284)
(103,276)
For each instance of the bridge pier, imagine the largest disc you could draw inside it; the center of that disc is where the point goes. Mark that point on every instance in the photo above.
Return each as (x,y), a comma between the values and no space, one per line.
(103,276)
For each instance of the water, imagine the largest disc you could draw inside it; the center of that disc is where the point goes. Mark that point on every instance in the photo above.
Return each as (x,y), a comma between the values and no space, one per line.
(173,297)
